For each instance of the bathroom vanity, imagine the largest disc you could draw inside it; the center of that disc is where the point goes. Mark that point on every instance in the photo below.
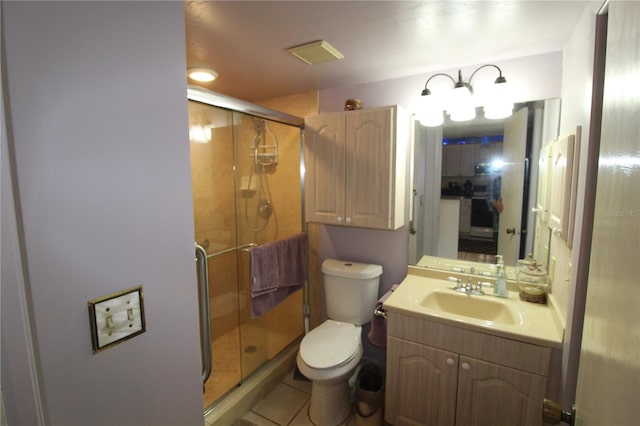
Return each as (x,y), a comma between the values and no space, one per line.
(460,359)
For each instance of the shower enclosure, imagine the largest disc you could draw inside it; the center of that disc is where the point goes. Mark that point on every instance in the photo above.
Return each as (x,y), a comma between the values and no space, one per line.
(247,191)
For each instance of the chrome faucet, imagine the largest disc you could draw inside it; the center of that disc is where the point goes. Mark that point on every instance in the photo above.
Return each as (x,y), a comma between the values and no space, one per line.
(468,288)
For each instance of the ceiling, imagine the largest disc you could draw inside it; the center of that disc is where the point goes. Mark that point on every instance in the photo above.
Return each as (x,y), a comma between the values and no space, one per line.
(246,42)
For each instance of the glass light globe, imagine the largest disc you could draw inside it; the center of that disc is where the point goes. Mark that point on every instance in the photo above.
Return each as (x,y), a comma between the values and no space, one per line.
(428,111)
(461,107)
(499,103)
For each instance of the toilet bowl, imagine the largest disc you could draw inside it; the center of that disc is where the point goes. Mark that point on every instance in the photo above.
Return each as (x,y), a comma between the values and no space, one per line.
(328,356)
(330,353)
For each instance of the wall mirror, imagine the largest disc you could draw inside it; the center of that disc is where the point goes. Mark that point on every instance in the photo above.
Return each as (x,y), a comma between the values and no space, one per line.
(454,172)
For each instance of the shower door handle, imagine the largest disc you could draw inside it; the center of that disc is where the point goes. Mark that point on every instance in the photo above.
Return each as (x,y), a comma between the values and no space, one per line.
(203,297)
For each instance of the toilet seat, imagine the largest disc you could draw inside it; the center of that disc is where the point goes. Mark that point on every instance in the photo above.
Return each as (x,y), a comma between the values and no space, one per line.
(331,344)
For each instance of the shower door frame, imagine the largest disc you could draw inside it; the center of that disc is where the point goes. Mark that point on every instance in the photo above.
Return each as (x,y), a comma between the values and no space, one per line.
(208,97)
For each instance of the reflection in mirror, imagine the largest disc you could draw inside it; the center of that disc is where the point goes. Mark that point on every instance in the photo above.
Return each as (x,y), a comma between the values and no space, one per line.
(461,171)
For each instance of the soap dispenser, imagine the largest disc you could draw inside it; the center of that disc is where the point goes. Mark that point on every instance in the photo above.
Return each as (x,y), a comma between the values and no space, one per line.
(500,289)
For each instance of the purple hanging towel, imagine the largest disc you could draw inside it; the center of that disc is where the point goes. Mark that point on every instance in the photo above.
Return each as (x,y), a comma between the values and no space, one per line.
(278,268)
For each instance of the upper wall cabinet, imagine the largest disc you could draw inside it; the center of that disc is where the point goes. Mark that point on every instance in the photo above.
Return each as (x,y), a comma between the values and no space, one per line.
(563,185)
(460,160)
(544,182)
(356,164)
(487,153)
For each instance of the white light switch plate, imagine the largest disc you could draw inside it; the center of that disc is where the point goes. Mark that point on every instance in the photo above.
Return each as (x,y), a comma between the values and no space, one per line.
(116,317)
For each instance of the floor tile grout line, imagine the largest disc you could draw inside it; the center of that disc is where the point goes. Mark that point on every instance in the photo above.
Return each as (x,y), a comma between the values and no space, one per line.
(305,405)
(294,387)
(266,418)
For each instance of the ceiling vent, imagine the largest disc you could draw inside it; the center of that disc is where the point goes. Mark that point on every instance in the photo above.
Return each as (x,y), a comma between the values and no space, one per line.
(316,52)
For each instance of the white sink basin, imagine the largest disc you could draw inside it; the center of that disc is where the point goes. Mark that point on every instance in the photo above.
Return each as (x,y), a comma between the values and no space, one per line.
(484,308)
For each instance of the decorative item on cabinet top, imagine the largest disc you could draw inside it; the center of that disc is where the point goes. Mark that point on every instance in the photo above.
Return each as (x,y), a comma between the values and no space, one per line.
(356,167)
(352,104)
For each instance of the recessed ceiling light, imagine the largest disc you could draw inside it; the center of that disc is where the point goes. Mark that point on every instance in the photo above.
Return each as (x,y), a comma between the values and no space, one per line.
(202,74)
(316,52)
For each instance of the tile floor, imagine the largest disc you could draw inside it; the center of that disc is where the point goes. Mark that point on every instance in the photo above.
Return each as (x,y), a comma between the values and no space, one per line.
(285,405)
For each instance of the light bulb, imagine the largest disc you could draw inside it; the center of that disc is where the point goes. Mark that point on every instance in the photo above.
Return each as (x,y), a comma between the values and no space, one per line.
(202,74)
(499,103)
(461,107)
(428,110)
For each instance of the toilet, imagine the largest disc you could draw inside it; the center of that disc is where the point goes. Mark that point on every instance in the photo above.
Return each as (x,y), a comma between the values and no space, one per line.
(330,353)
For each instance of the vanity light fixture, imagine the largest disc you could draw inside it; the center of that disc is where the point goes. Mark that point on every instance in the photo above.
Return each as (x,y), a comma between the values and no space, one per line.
(203,75)
(460,103)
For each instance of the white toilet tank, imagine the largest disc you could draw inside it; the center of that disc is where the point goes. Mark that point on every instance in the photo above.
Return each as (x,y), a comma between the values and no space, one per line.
(350,290)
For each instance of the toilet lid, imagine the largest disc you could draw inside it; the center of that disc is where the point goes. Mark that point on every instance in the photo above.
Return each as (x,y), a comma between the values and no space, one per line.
(330,344)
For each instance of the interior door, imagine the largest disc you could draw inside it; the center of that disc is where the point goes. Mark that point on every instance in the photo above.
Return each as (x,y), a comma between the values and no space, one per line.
(609,374)
(513,151)
(426,176)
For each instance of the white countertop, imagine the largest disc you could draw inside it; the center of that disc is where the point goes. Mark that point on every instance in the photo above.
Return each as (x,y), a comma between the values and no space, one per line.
(536,323)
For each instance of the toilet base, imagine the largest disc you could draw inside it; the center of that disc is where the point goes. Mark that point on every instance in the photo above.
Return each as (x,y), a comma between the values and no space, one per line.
(330,403)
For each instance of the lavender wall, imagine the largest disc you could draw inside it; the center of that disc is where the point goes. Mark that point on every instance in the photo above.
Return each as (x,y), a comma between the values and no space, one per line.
(99,125)
(530,77)
(387,248)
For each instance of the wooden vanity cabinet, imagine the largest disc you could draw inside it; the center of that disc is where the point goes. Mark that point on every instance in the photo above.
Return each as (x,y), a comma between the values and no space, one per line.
(421,384)
(355,165)
(491,394)
(443,375)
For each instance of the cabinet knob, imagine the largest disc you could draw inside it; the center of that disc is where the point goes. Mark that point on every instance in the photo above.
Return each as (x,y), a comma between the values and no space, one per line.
(348,220)
(450,361)
(339,219)
(466,366)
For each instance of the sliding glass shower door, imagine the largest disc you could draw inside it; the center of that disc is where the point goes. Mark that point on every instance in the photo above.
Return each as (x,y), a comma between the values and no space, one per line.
(246,192)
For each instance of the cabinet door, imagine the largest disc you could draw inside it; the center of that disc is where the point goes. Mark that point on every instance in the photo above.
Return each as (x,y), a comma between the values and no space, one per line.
(370,156)
(487,153)
(467,160)
(541,235)
(324,156)
(561,182)
(544,175)
(458,160)
(450,160)
(421,384)
(490,394)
